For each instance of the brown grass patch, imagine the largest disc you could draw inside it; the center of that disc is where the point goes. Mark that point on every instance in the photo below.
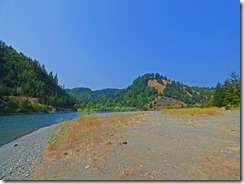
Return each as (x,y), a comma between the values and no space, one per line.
(193,112)
(90,130)
(128,174)
(87,140)
(154,83)
(30,99)
(216,167)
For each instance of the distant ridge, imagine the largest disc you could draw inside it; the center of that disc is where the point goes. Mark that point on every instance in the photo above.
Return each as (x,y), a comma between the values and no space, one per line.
(86,95)
(149,91)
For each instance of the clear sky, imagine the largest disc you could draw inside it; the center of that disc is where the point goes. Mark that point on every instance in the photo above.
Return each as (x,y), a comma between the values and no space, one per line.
(108,43)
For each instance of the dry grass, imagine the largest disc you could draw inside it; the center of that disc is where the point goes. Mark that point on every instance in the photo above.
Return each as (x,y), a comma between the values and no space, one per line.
(33,101)
(193,112)
(232,108)
(86,140)
(125,174)
(214,167)
(154,83)
(89,133)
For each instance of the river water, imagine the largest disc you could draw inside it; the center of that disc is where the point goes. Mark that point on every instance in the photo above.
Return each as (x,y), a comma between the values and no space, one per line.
(15,126)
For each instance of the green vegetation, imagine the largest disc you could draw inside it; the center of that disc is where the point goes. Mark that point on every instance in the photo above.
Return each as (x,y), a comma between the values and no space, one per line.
(26,87)
(20,76)
(186,94)
(86,95)
(55,132)
(138,96)
(141,97)
(228,94)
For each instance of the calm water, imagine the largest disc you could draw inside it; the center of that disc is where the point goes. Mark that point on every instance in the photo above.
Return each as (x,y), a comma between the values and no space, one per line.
(15,126)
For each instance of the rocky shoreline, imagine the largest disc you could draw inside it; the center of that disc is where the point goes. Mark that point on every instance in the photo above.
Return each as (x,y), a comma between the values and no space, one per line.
(21,157)
(153,147)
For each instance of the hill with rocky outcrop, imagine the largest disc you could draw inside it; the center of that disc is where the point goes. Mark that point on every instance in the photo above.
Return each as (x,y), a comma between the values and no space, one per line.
(149,91)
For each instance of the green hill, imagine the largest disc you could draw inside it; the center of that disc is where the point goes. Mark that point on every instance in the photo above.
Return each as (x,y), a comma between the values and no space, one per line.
(25,85)
(85,95)
(149,91)
(146,90)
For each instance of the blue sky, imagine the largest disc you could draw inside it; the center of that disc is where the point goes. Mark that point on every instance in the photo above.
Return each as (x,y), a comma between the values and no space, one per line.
(108,43)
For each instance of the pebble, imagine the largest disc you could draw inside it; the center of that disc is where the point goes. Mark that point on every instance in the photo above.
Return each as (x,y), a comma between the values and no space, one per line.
(87,167)
(21,157)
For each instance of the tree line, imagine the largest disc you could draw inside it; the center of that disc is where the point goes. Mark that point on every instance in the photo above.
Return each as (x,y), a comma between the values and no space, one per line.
(228,94)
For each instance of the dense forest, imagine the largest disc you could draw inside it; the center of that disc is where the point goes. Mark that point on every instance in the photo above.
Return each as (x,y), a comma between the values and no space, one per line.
(85,95)
(25,85)
(187,94)
(140,96)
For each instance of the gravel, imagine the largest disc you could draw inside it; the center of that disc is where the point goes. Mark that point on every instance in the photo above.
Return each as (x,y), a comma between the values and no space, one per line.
(160,147)
(18,159)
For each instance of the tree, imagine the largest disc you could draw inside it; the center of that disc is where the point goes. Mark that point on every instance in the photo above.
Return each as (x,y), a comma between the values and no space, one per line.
(56,78)
(219,95)
(232,90)
(228,94)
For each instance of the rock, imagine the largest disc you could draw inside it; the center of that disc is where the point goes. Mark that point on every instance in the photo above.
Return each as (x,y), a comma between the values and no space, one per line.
(65,153)
(27,175)
(125,142)
(87,167)
(15,145)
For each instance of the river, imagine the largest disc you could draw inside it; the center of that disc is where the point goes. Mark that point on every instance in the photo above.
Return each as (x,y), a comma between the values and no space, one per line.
(15,126)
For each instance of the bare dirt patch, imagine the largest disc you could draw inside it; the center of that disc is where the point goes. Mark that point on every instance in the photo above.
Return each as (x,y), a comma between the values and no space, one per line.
(154,83)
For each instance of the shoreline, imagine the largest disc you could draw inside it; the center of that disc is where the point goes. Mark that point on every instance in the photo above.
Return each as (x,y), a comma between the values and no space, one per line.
(152,146)
(19,158)
(31,113)
(22,156)
(141,151)
(32,122)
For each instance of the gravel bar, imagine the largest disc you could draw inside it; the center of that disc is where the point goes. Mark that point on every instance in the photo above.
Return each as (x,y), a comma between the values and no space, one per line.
(18,159)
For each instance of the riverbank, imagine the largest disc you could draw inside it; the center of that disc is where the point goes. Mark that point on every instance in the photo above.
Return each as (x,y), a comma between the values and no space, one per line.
(146,146)
(141,146)
(20,157)
(16,126)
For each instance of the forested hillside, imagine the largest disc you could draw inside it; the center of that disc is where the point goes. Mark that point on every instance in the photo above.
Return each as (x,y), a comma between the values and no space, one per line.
(145,89)
(138,94)
(25,85)
(147,92)
(85,95)
(187,94)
